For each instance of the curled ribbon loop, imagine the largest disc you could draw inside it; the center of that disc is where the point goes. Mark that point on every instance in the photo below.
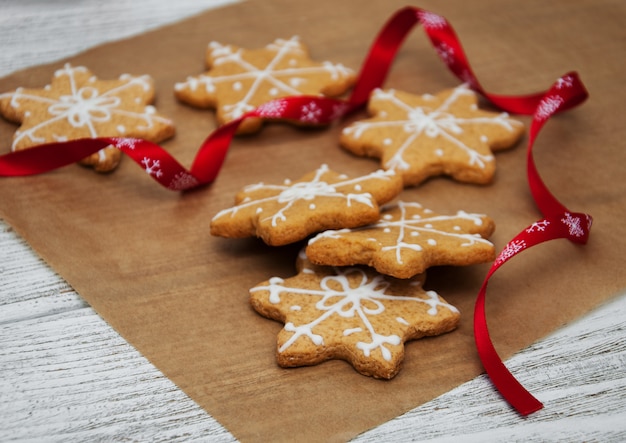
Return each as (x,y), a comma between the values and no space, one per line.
(559,222)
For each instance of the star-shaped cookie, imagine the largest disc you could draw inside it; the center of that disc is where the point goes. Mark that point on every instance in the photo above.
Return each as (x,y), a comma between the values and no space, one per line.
(238,80)
(350,313)
(424,136)
(406,240)
(323,199)
(78,105)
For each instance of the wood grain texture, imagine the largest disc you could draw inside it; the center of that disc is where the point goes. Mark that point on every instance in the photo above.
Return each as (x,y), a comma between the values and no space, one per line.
(65,375)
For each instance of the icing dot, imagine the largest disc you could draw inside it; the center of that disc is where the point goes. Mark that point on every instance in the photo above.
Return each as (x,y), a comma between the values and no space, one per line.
(388,216)
(387,141)
(428,211)
(358,187)
(121,129)
(416,217)
(295,82)
(432,242)
(457,228)
(137,100)
(47,87)
(312,206)
(428,225)
(274,91)
(287,181)
(293,62)
(259,210)
(383,113)
(484,138)
(343,176)
(237,86)
(473,106)
(414,234)
(439,152)
(296,308)
(386,230)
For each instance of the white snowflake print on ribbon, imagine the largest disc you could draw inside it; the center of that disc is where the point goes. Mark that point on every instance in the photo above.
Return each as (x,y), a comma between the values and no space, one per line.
(352,314)
(423,136)
(323,199)
(152,167)
(182,181)
(239,80)
(538,226)
(431,20)
(511,249)
(446,53)
(573,225)
(406,240)
(548,106)
(311,113)
(272,109)
(565,82)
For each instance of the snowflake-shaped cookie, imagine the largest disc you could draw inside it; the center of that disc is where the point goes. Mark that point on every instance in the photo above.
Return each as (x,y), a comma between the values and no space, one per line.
(323,199)
(424,136)
(238,80)
(351,313)
(406,240)
(78,105)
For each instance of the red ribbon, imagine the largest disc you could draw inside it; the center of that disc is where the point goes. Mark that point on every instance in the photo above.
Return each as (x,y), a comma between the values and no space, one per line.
(558,221)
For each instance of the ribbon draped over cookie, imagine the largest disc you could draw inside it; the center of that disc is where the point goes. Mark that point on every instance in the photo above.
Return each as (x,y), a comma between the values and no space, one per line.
(558,222)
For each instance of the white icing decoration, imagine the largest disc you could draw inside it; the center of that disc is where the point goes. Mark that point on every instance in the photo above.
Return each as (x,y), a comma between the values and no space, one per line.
(408,225)
(352,331)
(337,296)
(85,106)
(429,122)
(284,81)
(403,321)
(288,194)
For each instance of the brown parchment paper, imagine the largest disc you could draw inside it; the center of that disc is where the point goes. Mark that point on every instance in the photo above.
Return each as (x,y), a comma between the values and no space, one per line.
(142,256)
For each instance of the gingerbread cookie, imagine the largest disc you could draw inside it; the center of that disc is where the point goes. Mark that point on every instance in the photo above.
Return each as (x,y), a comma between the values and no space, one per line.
(238,80)
(78,105)
(424,136)
(323,199)
(353,314)
(406,240)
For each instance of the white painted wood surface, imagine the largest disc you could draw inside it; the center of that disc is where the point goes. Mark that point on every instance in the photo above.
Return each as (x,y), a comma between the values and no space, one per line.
(65,375)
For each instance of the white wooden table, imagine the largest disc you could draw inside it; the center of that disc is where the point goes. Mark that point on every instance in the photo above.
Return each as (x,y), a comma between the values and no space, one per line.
(65,375)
